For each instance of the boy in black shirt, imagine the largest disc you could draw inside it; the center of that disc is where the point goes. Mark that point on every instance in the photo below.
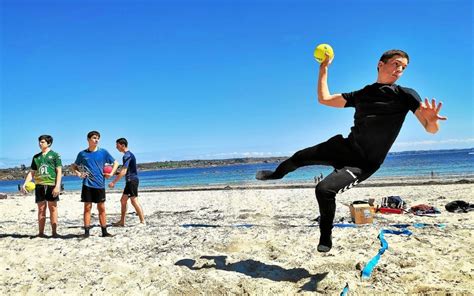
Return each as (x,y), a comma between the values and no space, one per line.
(380,111)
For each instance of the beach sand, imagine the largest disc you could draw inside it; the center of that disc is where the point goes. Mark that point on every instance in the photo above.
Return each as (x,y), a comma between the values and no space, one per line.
(256,241)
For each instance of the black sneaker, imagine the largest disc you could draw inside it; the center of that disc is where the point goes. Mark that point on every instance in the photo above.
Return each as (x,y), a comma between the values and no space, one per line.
(107,235)
(263,175)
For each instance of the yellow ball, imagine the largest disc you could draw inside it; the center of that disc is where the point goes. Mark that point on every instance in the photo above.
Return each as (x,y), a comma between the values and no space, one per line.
(30,186)
(321,50)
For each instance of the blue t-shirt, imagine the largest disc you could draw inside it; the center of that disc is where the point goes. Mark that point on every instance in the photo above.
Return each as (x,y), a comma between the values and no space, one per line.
(130,162)
(93,163)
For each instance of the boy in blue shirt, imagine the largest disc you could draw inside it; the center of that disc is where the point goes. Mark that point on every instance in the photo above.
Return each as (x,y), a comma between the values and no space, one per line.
(93,160)
(129,170)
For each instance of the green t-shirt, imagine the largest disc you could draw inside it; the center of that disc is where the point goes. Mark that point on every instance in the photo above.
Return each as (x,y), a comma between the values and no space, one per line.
(45,167)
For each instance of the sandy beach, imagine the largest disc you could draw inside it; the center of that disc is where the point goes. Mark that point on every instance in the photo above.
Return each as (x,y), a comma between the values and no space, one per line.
(250,241)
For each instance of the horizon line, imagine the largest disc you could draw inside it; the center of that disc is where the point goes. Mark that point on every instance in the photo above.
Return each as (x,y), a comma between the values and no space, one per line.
(257,157)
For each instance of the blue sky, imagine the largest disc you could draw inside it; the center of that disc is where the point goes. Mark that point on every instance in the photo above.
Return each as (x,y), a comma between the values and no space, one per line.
(219,79)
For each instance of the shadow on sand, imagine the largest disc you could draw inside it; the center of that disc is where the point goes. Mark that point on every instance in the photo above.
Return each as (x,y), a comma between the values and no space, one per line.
(257,269)
(18,235)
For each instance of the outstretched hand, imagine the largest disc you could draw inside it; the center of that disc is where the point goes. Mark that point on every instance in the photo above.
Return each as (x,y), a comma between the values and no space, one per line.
(431,111)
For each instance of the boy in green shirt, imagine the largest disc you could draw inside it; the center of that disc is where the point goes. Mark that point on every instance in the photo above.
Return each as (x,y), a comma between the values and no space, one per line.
(46,169)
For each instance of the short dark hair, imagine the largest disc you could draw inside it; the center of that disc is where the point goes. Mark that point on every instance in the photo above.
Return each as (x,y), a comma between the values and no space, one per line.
(93,133)
(47,138)
(122,141)
(393,52)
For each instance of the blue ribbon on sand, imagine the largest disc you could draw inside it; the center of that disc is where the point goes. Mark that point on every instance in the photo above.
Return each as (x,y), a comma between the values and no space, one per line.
(367,271)
(345,290)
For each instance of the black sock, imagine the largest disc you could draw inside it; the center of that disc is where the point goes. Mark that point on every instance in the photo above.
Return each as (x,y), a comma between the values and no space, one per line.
(86,230)
(325,240)
(104,231)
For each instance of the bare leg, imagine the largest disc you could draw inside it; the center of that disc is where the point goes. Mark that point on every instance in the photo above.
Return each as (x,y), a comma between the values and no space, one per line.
(87,217)
(53,216)
(103,219)
(123,210)
(102,215)
(41,217)
(87,214)
(138,209)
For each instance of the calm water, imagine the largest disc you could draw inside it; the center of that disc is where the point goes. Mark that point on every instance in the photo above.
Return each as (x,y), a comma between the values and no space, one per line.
(441,162)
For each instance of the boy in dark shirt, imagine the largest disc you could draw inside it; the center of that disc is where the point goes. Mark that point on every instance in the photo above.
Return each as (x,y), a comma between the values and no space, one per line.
(380,111)
(129,170)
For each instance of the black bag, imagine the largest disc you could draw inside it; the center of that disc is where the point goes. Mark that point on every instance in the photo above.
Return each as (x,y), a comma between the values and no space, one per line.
(459,206)
(393,202)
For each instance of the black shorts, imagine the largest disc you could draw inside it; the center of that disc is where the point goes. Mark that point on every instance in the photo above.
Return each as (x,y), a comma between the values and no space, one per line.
(44,193)
(95,195)
(131,188)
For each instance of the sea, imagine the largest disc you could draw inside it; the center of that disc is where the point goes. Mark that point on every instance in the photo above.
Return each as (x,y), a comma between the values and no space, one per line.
(457,163)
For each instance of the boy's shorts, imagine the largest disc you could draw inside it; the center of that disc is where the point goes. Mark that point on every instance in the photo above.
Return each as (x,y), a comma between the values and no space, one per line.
(131,188)
(44,193)
(95,195)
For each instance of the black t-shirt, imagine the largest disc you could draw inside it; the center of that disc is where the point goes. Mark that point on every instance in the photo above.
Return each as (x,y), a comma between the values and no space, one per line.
(380,112)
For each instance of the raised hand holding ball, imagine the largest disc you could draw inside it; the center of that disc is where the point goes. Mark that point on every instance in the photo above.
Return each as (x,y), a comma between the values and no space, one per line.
(320,52)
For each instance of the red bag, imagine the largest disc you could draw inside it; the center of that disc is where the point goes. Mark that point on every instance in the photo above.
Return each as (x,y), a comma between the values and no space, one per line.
(390,211)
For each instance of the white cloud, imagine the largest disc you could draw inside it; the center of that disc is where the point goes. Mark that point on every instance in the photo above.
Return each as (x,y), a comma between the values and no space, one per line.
(429,143)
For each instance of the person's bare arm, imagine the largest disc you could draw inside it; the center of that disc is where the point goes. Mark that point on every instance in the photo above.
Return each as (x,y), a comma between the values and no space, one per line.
(122,173)
(59,176)
(324,96)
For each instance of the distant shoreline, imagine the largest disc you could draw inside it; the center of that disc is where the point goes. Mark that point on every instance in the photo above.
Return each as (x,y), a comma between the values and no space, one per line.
(13,174)
(19,173)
